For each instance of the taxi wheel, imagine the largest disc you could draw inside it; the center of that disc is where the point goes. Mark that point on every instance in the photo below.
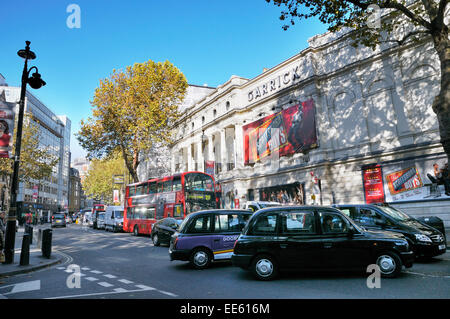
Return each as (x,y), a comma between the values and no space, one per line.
(155,239)
(264,267)
(390,264)
(200,258)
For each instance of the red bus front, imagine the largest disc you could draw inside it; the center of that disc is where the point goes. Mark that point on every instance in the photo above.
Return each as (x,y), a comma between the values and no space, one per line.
(174,196)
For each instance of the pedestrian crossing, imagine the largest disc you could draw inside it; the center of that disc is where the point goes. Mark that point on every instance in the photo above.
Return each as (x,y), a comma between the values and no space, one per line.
(115,283)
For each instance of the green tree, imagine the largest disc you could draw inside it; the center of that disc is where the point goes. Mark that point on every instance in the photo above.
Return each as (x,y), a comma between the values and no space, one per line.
(36,161)
(416,18)
(133,110)
(99,179)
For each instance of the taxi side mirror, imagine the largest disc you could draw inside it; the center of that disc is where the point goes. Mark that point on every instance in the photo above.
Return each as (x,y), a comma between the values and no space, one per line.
(380,222)
(351,231)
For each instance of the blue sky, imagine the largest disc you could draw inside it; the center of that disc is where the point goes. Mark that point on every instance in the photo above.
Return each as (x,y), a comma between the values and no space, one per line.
(207,40)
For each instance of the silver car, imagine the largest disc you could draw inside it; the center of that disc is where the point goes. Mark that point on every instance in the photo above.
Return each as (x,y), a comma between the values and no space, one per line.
(59,220)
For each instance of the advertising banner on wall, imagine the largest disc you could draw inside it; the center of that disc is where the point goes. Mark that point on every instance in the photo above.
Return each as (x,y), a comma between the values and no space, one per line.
(7,112)
(401,182)
(373,184)
(406,184)
(289,131)
(209,167)
(116,198)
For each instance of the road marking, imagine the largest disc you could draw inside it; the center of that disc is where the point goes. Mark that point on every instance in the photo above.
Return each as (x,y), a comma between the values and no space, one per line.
(120,290)
(100,293)
(23,287)
(91,279)
(85,268)
(125,281)
(110,276)
(96,272)
(426,275)
(167,293)
(145,287)
(105,284)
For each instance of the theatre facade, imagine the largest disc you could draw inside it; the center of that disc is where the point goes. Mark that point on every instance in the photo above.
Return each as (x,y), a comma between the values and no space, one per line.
(333,124)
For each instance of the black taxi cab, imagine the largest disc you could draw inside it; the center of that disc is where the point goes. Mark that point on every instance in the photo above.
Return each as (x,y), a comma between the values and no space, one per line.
(316,238)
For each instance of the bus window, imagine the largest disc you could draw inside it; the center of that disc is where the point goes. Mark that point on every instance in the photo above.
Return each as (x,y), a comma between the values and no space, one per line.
(177,183)
(167,186)
(132,191)
(149,212)
(140,189)
(152,188)
(130,213)
(159,187)
(200,182)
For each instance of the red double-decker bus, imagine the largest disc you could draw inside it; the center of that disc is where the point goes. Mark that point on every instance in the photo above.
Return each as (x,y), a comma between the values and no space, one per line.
(172,196)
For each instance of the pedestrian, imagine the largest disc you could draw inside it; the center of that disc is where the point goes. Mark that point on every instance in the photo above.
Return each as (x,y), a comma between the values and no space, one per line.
(445,178)
(2,236)
(440,177)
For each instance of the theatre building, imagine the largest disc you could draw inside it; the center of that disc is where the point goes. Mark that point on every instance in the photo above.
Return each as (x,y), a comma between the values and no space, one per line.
(332,124)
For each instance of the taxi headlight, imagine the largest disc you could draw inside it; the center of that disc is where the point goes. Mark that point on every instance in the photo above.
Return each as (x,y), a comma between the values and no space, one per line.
(423,238)
(403,243)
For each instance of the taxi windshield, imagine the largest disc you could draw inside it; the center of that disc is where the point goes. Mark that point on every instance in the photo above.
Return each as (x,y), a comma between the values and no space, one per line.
(395,214)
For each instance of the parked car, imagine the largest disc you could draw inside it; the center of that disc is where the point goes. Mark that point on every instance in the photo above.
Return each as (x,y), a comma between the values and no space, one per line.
(257,205)
(163,230)
(207,236)
(101,220)
(59,220)
(114,218)
(425,240)
(315,238)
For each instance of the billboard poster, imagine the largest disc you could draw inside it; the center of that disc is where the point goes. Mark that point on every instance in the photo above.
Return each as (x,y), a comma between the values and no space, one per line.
(7,112)
(209,167)
(405,184)
(404,180)
(373,184)
(409,182)
(289,131)
(116,196)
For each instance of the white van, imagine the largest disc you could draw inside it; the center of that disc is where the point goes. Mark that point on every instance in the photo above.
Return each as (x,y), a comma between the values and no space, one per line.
(114,218)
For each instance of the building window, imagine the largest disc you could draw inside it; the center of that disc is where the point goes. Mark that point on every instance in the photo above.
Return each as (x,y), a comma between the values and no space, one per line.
(227,105)
(214,112)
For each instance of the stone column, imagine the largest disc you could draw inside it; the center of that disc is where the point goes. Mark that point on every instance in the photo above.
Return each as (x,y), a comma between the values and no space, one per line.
(200,159)
(223,150)
(189,158)
(239,146)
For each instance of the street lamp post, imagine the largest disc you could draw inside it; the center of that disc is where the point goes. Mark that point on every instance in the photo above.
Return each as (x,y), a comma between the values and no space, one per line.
(35,82)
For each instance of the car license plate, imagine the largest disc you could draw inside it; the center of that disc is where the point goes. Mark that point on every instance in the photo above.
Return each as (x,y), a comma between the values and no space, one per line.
(441,247)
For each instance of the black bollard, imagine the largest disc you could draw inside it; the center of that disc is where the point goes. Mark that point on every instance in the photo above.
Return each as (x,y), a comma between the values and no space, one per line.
(25,253)
(46,243)
(30,231)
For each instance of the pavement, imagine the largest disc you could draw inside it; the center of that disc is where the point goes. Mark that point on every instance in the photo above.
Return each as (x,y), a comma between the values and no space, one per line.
(36,259)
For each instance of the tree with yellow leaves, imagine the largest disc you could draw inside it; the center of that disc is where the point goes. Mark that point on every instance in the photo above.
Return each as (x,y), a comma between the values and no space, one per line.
(133,110)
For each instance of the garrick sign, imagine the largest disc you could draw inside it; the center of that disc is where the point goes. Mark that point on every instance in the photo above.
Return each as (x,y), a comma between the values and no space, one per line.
(284,79)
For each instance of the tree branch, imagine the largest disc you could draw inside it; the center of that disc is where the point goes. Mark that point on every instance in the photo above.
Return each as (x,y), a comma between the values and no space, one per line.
(400,7)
